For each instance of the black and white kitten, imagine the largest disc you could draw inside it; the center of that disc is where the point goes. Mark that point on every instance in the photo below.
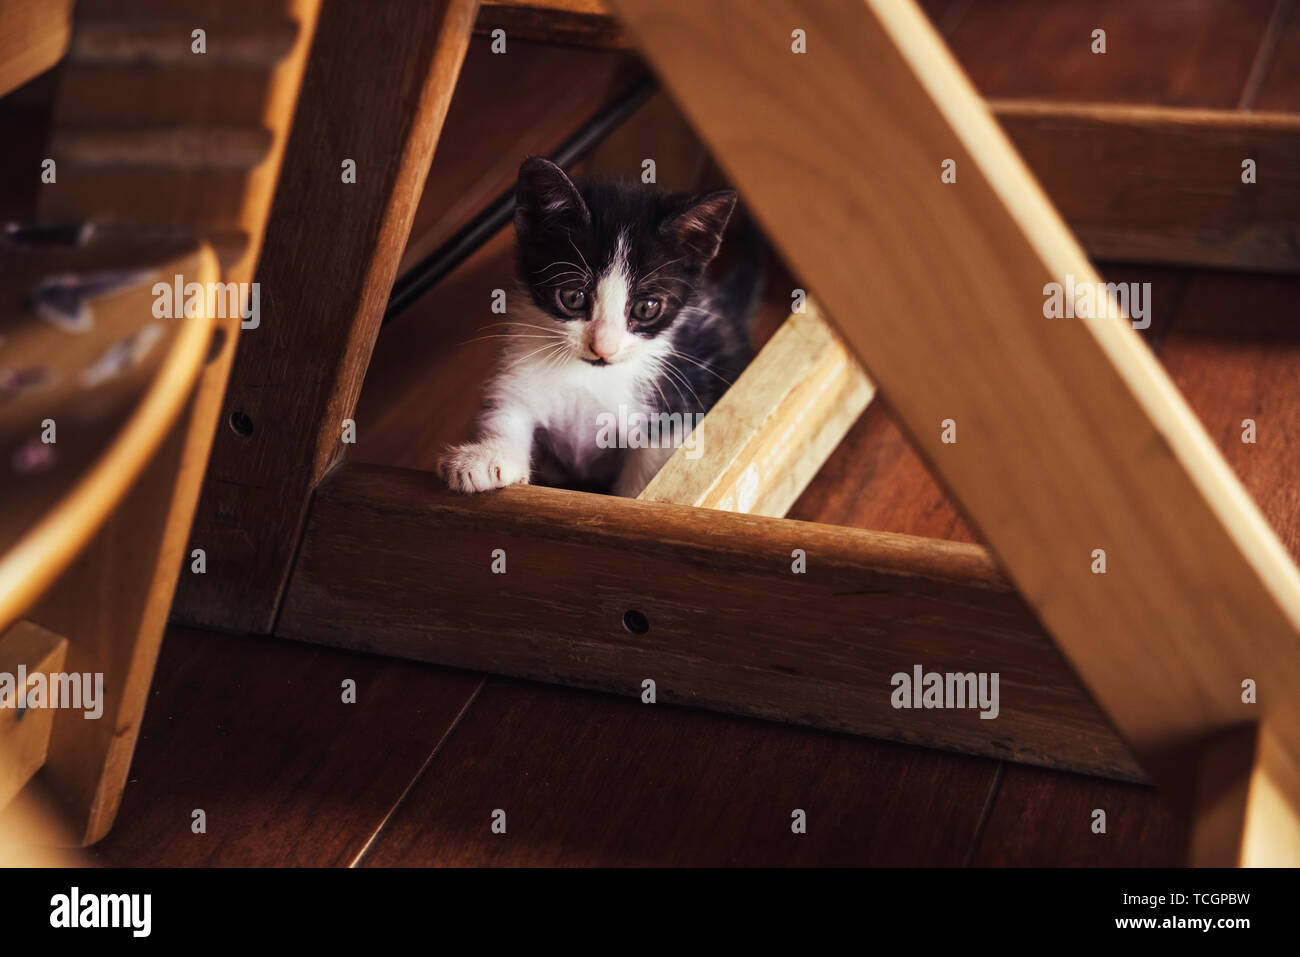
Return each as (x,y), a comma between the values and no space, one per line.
(617,319)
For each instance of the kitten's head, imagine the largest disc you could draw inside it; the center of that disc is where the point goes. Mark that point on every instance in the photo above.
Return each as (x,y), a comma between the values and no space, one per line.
(613,264)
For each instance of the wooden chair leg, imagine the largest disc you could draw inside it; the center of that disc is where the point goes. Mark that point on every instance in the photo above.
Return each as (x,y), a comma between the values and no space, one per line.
(375,94)
(1241,815)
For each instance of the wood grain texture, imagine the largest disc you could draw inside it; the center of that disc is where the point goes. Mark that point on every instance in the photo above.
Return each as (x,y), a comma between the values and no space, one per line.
(110,416)
(1234,352)
(33,35)
(758,448)
(818,648)
(256,733)
(877,480)
(1045,819)
(1195,53)
(1159,184)
(332,254)
(589,781)
(132,562)
(1218,596)
(574,22)
(1279,89)
(147,131)
(34,833)
(25,732)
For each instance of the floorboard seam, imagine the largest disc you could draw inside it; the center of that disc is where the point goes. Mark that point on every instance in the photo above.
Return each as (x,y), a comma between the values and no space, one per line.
(401,798)
(994,788)
(1265,55)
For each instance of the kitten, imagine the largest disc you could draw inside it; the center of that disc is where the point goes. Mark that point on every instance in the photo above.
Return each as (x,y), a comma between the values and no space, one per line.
(615,317)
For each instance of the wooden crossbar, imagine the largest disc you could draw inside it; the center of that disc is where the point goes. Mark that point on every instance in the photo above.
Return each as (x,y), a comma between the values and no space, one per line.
(765,439)
(535,582)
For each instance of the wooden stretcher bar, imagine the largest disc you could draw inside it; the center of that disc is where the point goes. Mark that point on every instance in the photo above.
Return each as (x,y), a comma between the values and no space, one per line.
(761,444)
(393,563)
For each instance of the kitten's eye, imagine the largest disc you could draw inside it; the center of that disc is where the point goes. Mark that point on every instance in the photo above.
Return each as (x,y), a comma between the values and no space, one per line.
(644,310)
(572,300)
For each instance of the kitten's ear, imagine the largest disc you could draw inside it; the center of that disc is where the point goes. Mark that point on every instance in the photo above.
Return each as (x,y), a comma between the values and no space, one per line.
(547,199)
(696,230)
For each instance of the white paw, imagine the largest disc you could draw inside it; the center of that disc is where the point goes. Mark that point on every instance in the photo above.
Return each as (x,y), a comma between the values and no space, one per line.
(480,466)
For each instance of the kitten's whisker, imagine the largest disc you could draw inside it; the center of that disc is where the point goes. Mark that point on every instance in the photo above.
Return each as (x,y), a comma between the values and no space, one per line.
(522,359)
(681,376)
(558,357)
(703,365)
(557,276)
(671,262)
(504,335)
(665,405)
(569,236)
(673,382)
(523,325)
(557,263)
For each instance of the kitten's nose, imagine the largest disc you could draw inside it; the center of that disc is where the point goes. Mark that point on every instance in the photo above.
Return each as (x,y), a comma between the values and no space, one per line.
(606,342)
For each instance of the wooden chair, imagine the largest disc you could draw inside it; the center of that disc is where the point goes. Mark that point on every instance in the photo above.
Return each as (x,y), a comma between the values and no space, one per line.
(109,403)
(1070,438)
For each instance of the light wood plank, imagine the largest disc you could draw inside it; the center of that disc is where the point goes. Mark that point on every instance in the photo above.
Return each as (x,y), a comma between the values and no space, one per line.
(25,734)
(1071,436)
(33,35)
(762,443)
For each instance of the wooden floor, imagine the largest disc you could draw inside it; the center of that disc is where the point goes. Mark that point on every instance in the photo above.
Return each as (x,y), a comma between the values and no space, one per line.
(253,731)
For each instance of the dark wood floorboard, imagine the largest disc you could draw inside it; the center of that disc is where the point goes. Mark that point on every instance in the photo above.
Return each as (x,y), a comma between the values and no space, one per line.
(587,779)
(1280,86)
(1238,357)
(1045,819)
(254,732)
(1169,52)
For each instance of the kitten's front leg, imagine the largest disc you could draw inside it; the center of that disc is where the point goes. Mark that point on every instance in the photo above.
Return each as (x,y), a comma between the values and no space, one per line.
(640,465)
(500,457)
